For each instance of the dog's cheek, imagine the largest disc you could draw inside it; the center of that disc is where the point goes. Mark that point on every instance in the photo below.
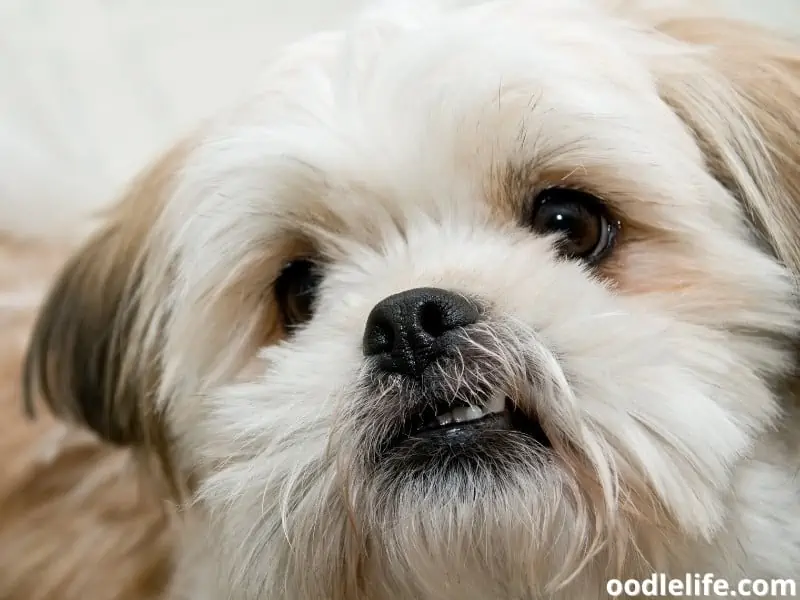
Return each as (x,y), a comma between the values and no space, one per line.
(270,485)
(668,392)
(717,279)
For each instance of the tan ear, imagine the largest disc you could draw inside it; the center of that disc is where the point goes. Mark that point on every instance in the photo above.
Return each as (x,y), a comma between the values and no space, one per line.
(85,359)
(738,89)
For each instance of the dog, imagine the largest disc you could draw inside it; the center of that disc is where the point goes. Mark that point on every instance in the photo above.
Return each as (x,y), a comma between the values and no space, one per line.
(486,300)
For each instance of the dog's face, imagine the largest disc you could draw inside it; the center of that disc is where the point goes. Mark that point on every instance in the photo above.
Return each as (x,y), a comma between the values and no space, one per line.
(476,305)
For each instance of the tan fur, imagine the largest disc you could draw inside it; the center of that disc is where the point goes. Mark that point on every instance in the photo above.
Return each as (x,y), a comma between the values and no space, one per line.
(78,521)
(750,89)
(84,357)
(82,519)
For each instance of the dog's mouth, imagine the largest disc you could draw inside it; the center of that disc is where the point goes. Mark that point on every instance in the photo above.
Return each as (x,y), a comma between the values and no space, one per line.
(459,417)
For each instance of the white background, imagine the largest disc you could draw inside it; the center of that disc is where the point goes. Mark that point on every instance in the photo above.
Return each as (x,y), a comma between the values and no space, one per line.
(103,84)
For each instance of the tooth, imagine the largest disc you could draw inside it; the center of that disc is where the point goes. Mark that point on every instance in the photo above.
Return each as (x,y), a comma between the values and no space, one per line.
(459,414)
(472,412)
(496,404)
(445,419)
(466,413)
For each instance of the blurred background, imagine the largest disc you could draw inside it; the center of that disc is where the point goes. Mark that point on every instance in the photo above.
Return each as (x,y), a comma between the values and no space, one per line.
(101,85)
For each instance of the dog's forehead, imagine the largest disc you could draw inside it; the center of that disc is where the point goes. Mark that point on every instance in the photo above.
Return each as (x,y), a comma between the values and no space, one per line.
(464,113)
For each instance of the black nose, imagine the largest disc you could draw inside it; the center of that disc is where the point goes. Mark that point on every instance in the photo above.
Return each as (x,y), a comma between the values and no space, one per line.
(406,332)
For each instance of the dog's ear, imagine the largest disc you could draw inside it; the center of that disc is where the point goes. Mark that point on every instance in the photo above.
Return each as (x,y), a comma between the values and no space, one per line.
(737,87)
(85,358)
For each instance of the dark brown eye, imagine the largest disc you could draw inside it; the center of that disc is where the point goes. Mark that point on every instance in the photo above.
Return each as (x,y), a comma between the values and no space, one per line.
(581,221)
(296,290)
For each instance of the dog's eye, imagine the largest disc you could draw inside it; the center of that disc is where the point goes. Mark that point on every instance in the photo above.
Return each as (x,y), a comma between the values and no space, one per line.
(585,229)
(296,290)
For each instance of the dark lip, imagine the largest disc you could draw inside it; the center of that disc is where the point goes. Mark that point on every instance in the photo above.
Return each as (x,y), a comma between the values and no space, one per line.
(424,426)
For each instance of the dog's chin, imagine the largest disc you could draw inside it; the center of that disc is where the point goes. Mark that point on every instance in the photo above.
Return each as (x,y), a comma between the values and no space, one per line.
(452,437)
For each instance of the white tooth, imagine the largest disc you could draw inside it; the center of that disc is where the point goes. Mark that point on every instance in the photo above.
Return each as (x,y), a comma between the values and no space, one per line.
(472,412)
(496,404)
(445,419)
(460,414)
(466,413)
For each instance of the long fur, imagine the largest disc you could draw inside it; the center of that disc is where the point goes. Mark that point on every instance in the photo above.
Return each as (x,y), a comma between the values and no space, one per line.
(401,153)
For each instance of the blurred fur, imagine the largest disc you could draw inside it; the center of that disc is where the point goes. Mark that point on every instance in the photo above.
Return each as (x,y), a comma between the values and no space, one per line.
(401,153)
(78,519)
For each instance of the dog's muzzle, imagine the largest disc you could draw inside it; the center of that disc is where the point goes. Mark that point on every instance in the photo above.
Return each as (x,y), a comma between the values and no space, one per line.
(441,393)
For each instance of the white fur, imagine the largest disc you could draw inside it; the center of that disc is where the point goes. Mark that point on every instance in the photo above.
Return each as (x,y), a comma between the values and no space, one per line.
(383,144)
(405,121)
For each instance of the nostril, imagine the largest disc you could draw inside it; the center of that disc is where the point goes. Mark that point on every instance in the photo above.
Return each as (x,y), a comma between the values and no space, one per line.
(432,319)
(379,336)
(407,331)
(439,314)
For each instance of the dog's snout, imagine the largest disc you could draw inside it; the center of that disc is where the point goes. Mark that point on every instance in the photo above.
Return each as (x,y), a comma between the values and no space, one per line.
(406,332)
